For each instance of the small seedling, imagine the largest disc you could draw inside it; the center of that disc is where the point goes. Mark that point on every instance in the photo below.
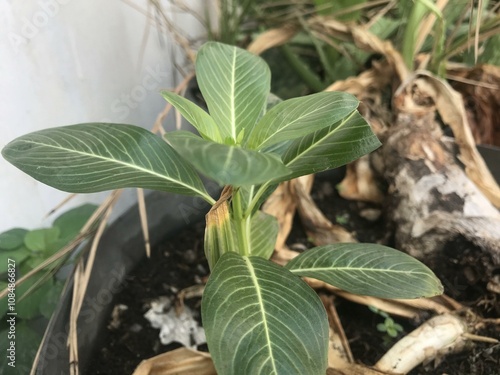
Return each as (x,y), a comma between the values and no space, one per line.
(389,326)
(259,317)
(342,219)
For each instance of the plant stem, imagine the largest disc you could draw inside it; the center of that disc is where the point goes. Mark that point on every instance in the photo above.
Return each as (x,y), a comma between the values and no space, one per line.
(242,225)
(255,199)
(208,198)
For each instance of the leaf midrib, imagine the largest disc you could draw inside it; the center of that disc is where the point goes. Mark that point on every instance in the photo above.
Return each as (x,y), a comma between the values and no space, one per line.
(262,310)
(280,130)
(133,166)
(350,269)
(233,88)
(313,145)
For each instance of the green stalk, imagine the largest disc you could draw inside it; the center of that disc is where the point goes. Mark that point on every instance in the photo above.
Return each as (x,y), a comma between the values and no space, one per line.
(255,199)
(241,225)
(208,198)
(418,11)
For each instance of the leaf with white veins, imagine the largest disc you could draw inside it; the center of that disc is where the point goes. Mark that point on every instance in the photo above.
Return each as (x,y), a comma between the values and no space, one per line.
(88,158)
(226,164)
(263,232)
(235,84)
(195,115)
(262,320)
(297,117)
(331,147)
(368,269)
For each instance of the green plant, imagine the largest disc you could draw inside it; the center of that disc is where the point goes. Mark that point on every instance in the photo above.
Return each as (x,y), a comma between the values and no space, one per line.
(259,317)
(21,251)
(389,326)
(461,31)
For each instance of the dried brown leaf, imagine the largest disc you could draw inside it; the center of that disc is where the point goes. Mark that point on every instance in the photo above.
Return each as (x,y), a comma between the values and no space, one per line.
(359,182)
(451,107)
(319,229)
(181,361)
(339,350)
(480,86)
(272,38)
(281,204)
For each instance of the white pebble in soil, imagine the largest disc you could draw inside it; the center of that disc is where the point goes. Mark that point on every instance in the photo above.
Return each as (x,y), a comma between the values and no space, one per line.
(181,328)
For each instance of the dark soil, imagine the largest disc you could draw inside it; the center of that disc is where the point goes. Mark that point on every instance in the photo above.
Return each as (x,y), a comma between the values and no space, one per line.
(175,265)
(180,263)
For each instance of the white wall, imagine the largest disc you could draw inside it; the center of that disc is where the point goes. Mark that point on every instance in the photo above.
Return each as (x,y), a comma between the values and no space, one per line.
(68,61)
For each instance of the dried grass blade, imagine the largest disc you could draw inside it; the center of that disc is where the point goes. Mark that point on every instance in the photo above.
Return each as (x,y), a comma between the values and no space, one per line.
(60,204)
(144,220)
(81,279)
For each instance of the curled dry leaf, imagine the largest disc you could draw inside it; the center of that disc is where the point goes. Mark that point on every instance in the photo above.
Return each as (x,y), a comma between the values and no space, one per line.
(281,204)
(319,229)
(480,88)
(359,182)
(364,39)
(295,195)
(450,106)
(272,38)
(181,361)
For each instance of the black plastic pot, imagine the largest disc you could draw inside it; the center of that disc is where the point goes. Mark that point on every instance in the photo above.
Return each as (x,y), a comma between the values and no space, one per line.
(120,249)
(491,155)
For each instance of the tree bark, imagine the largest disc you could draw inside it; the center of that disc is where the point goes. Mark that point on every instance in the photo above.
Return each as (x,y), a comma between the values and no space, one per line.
(439,215)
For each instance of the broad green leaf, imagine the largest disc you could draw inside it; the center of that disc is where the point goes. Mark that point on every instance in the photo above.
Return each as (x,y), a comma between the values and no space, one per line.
(297,117)
(331,147)
(278,148)
(29,306)
(94,157)
(72,221)
(40,239)
(263,232)
(262,320)
(228,165)
(368,269)
(12,239)
(195,115)
(235,84)
(49,303)
(272,101)
(18,256)
(3,301)
(27,339)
